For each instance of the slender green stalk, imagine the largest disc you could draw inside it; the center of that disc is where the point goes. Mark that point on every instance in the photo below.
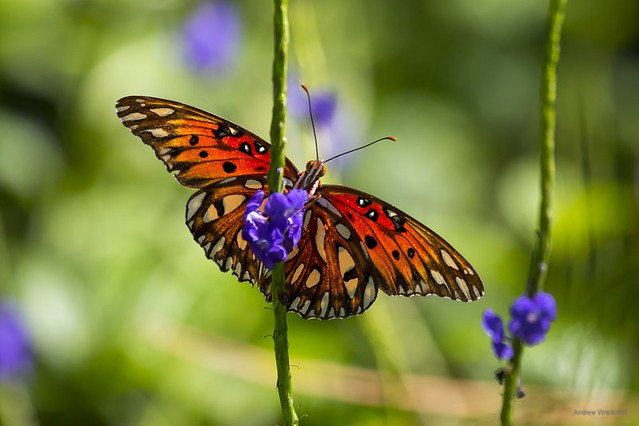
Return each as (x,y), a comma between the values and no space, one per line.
(548,116)
(541,253)
(280,329)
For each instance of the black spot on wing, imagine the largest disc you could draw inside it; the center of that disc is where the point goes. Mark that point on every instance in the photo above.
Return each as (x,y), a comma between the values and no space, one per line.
(229,167)
(371,242)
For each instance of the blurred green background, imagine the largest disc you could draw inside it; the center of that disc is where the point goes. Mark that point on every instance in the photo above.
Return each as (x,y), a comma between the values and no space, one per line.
(132,325)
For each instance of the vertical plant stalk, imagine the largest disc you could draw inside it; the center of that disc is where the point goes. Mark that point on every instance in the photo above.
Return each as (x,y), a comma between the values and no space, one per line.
(541,252)
(278,123)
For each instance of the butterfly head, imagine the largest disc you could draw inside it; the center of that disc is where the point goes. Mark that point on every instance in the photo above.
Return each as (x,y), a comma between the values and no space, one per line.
(318,165)
(309,178)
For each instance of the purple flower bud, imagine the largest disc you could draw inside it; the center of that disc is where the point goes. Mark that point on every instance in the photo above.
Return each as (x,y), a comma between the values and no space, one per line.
(324,104)
(494,326)
(274,232)
(211,36)
(15,347)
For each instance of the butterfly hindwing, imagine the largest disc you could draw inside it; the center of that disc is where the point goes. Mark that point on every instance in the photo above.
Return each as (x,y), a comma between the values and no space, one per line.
(215,213)
(198,147)
(327,276)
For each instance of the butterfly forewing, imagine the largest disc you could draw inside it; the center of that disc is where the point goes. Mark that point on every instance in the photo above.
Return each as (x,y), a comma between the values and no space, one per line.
(198,147)
(407,257)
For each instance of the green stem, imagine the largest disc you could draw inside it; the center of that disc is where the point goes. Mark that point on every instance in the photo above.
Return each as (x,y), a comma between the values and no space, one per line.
(280,329)
(548,95)
(541,253)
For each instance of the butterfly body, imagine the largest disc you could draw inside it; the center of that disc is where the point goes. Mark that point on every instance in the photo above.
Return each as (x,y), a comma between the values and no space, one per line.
(352,243)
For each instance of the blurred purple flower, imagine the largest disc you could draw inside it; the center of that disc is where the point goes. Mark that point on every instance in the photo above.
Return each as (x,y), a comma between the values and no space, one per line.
(324,104)
(530,322)
(15,346)
(531,318)
(494,326)
(274,233)
(211,36)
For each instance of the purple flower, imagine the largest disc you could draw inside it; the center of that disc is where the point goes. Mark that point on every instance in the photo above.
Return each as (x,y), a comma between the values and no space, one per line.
(494,326)
(530,322)
(274,232)
(211,36)
(324,104)
(15,347)
(531,318)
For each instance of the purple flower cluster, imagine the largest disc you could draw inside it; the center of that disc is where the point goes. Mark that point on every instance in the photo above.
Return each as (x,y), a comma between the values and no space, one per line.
(274,232)
(15,346)
(530,322)
(211,36)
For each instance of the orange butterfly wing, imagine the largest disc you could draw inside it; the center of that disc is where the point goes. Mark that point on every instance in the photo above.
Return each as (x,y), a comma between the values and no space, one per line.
(198,147)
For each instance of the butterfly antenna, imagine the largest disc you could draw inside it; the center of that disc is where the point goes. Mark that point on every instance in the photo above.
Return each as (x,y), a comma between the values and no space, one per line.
(310,112)
(385,138)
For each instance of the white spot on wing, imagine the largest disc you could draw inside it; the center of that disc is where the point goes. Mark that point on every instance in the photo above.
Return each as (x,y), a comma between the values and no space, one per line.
(122,108)
(253,184)
(437,276)
(305,307)
(477,292)
(241,242)
(228,264)
(464,287)
(448,260)
(346,263)
(369,293)
(217,247)
(313,278)
(364,250)
(194,204)
(211,214)
(320,236)
(328,206)
(324,304)
(227,180)
(295,304)
(231,202)
(162,112)
(297,273)
(307,218)
(158,133)
(134,116)
(343,230)
(351,287)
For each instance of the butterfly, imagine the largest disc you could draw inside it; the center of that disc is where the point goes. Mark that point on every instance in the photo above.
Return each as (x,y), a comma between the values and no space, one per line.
(352,245)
